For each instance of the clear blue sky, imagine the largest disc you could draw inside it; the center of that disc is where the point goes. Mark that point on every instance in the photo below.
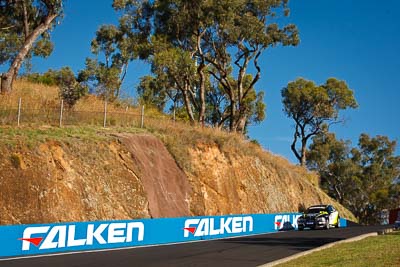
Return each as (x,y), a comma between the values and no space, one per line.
(357,41)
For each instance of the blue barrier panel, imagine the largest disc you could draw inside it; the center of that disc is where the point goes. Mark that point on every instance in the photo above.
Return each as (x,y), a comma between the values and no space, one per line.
(343,222)
(20,240)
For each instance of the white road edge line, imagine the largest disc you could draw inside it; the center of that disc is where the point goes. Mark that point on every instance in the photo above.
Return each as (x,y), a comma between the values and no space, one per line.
(126,248)
(329,245)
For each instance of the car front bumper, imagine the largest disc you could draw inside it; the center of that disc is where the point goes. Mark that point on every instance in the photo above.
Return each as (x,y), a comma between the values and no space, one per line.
(312,224)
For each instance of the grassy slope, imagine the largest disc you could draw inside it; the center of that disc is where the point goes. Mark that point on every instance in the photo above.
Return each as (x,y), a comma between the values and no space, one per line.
(372,251)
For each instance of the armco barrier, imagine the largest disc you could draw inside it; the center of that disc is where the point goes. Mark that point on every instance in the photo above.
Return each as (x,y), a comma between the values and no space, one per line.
(21,240)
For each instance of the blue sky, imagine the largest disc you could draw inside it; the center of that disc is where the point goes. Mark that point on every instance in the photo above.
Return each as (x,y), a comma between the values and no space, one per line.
(356,41)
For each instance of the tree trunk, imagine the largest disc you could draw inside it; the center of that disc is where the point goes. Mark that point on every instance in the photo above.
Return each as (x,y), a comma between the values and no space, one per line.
(293,146)
(303,152)
(11,74)
(232,117)
(202,93)
(200,71)
(187,104)
(241,124)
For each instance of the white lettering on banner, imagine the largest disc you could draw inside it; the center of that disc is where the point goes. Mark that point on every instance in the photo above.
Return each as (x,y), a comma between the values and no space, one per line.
(71,238)
(116,233)
(237,225)
(91,234)
(135,225)
(207,227)
(212,230)
(61,236)
(225,225)
(282,221)
(49,243)
(28,232)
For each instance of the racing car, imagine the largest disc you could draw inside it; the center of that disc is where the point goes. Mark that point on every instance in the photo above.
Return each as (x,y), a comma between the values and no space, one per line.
(319,217)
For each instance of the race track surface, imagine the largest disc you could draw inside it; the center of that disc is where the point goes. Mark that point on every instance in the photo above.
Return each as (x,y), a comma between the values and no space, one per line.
(243,251)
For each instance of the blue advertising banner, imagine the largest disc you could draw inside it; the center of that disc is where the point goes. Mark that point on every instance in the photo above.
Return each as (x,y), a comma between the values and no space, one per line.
(21,240)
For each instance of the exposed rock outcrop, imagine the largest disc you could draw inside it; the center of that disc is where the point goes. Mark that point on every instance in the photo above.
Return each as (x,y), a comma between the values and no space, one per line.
(126,176)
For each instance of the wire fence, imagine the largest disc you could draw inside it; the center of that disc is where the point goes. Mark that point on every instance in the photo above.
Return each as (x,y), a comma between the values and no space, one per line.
(61,116)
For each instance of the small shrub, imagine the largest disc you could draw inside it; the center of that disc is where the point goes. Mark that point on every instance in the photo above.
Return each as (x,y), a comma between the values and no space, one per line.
(15,161)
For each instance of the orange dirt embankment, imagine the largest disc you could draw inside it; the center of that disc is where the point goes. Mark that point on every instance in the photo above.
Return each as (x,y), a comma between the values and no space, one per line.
(127,176)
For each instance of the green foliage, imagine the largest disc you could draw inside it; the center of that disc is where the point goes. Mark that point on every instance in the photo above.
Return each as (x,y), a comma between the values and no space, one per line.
(70,89)
(25,31)
(105,78)
(9,42)
(43,48)
(364,179)
(101,79)
(205,49)
(312,106)
(152,93)
(47,78)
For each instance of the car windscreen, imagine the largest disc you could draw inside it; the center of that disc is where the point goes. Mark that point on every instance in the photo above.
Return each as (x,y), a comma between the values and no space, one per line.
(315,210)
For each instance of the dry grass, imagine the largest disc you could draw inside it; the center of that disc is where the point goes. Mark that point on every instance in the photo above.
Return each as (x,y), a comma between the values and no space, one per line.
(40,104)
(40,96)
(178,136)
(34,96)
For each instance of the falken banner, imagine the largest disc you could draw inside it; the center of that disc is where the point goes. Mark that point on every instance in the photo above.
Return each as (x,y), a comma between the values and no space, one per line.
(22,240)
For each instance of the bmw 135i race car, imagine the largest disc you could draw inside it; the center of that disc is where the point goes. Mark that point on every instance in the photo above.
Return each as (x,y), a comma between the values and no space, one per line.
(319,217)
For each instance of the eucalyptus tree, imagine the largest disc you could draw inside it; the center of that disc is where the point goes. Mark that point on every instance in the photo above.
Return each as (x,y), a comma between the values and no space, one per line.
(113,49)
(25,31)
(339,174)
(241,32)
(219,105)
(165,30)
(312,106)
(219,39)
(379,178)
(364,179)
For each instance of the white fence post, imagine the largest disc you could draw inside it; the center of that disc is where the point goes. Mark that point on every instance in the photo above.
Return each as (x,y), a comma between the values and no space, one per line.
(61,112)
(19,111)
(105,114)
(142,119)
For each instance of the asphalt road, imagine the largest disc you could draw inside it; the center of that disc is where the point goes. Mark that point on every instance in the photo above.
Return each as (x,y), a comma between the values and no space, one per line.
(243,251)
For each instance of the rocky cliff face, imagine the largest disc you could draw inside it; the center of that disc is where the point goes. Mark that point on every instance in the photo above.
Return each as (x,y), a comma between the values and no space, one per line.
(240,184)
(126,176)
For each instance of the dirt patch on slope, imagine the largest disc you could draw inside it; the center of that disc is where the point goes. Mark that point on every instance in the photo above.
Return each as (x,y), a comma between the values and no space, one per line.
(167,187)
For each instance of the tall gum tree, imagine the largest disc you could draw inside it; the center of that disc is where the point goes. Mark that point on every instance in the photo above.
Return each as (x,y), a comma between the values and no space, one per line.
(223,38)
(106,77)
(25,28)
(312,106)
(241,32)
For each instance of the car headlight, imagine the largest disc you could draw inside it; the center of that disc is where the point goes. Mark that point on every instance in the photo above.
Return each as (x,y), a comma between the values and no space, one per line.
(321,219)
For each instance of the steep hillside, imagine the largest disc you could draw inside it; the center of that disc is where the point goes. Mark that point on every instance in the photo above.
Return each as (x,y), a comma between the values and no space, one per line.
(48,174)
(51,174)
